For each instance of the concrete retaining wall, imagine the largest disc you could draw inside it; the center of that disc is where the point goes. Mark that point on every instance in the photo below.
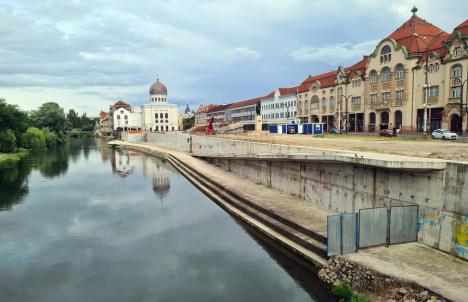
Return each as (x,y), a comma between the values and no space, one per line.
(174,141)
(442,195)
(133,137)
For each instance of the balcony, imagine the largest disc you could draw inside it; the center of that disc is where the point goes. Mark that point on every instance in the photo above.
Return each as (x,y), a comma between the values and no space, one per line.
(382,105)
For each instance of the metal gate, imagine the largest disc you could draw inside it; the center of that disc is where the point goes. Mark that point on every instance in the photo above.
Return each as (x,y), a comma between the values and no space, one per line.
(347,232)
(342,234)
(403,224)
(373,227)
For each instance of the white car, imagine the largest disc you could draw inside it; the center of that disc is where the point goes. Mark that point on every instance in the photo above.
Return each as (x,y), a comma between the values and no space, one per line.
(444,134)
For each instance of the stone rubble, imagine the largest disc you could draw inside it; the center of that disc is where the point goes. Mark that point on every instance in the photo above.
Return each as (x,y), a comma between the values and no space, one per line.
(340,270)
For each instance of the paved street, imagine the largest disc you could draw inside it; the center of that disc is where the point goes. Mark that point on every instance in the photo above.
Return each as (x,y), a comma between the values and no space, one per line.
(430,148)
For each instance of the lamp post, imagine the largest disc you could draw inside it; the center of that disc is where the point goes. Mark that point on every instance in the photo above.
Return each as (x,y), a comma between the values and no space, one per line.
(346,110)
(462,84)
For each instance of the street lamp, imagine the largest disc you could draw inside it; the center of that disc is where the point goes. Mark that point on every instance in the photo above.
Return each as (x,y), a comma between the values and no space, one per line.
(462,84)
(346,111)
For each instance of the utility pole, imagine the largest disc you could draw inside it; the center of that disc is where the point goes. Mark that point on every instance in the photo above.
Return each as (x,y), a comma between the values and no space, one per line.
(346,109)
(426,85)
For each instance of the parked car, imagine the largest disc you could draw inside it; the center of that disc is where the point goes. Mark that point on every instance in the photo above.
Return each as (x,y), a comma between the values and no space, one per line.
(334,131)
(444,134)
(387,133)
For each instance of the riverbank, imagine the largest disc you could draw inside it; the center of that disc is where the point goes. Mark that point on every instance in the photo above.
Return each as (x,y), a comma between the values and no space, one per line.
(8,160)
(300,226)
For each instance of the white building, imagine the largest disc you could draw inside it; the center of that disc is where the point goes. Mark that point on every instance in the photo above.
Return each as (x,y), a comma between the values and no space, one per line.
(158,115)
(280,107)
(125,118)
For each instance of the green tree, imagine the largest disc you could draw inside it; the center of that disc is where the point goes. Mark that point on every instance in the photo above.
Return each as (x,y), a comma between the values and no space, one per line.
(7,140)
(11,117)
(73,120)
(50,137)
(49,115)
(34,139)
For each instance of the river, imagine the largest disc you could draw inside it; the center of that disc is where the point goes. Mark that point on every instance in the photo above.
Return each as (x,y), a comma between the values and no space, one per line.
(89,223)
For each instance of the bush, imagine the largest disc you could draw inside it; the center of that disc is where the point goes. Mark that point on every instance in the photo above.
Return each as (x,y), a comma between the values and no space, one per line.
(50,137)
(7,141)
(346,294)
(34,139)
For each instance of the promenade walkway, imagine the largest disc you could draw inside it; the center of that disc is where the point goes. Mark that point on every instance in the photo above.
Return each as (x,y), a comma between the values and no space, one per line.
(439,272)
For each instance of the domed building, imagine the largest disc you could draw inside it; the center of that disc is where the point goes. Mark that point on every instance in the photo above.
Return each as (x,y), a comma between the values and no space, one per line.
(158,115)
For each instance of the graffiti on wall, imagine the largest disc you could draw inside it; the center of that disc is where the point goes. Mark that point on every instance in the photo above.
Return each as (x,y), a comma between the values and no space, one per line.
(429,220)
(460,236)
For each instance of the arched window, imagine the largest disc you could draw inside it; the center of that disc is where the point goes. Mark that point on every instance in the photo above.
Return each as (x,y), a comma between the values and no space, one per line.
(167,115)
(324,104)
(385,54)
(306,105)
(457,71)
(340,91)
(372,118)
(332,103)
(386,74)
(373,77)
(384,117)
(314,102)
(161,115)
(155,115)
(400,71)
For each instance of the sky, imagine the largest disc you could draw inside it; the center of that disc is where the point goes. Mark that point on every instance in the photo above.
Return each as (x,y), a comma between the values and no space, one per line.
(88,54)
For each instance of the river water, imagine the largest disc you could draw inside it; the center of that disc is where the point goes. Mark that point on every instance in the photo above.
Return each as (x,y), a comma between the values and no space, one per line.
(89,223)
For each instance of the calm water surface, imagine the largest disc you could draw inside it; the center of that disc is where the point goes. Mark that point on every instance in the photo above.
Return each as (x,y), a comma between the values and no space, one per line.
(88,223)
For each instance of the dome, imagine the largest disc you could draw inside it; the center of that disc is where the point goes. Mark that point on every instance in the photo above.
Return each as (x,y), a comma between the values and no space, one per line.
(158,88)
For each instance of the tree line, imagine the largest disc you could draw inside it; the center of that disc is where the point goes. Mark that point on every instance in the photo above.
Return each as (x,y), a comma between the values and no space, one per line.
(38,129)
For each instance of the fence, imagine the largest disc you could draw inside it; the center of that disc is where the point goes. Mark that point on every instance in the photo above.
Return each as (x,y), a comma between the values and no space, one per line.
(348,232)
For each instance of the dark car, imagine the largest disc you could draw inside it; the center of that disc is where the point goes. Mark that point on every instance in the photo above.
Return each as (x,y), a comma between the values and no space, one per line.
(387,133)
(334,131)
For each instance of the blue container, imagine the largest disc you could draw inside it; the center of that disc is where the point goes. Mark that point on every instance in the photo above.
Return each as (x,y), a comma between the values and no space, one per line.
(317,128)
(283,129)
(273,128)
(307,128)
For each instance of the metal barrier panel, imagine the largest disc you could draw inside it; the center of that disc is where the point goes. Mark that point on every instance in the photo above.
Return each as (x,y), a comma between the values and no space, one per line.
(373,227)
(349,232)
(403,224)
(333,235)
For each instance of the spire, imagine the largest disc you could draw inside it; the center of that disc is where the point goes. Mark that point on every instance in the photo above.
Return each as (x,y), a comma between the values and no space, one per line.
(414,10)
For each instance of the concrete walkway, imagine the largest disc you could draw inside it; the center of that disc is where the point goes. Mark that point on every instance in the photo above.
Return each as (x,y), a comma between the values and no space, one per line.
(439,272)
(415,262)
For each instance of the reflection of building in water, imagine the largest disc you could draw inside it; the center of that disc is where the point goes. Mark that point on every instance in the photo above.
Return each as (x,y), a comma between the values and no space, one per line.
(161,174)
(123,162)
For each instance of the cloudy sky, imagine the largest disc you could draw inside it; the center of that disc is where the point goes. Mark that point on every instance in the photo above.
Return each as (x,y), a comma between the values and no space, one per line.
(86,54)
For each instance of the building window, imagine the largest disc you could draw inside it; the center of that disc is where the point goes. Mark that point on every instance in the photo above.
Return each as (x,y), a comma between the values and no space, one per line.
(433,91)
(385,97)
(373,98)
(400,95)
(118,117)
(324,104)
(121,111)
(456,92)
(457,51)
(385,54)
(457,71)
(400,71)
(356,101)
(386,74)
(314,89)
(161,115)
(314,103)
(373,77)
(372,118)
(166,115)
(332,103)
(126,117)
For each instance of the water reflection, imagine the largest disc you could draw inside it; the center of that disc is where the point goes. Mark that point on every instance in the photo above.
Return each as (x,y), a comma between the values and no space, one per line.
(125,162)
(84,233)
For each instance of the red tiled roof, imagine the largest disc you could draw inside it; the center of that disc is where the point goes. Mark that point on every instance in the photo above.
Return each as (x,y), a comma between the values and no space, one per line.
(462,28)
(325,79)
(243,103)
(288,91)
(120,104)
(217,108)
(417,34)
(359,66)
(304,87)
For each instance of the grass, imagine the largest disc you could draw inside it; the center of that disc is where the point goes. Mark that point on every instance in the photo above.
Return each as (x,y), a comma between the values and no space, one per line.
(8,160)
(345,293)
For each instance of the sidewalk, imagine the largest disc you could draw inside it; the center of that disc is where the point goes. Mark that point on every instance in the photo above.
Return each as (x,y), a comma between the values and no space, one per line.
(414,262)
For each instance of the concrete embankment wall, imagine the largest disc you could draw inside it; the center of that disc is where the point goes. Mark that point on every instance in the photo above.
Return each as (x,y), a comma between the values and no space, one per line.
(133,137)
(442,195)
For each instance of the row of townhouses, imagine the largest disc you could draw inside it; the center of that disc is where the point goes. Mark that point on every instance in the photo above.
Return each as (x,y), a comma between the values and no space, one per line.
(418,73)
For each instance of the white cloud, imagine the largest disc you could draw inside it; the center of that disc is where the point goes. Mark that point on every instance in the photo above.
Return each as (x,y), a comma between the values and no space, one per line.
(337,54)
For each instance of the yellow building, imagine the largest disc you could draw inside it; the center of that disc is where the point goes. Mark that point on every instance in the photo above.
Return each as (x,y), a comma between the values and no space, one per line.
(391,88)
